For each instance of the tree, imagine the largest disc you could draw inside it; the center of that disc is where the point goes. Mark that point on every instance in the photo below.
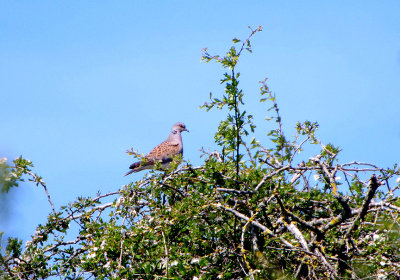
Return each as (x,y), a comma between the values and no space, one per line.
(249,212)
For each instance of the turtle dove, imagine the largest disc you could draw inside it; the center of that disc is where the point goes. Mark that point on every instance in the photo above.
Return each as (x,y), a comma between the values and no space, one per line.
(165,152)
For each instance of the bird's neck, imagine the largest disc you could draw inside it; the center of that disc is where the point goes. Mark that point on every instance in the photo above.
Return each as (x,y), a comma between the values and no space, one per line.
(174,135)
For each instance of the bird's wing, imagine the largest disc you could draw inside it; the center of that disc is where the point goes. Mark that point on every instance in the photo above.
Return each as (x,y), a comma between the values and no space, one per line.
(165,151)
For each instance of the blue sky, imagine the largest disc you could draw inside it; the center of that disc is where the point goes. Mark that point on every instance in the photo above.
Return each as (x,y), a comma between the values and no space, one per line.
(81,82)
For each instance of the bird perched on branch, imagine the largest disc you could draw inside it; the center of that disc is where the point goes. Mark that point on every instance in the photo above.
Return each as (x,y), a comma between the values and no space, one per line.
(163,153)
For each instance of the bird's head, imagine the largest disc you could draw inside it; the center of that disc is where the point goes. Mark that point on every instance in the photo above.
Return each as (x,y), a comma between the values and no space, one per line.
(179,127)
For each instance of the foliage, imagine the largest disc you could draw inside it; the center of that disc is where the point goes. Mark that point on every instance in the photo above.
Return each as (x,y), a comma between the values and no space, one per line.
(249,212)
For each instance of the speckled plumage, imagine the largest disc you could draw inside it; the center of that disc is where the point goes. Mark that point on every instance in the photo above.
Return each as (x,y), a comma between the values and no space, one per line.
(164,152)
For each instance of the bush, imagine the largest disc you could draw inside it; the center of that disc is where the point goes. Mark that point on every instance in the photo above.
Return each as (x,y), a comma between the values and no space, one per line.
(249,212)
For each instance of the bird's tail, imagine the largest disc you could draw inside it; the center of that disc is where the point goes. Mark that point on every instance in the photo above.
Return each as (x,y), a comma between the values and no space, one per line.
(130,172)
(139,166)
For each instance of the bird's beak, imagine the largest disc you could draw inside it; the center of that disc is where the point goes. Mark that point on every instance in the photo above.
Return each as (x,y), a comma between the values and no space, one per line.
(186,130)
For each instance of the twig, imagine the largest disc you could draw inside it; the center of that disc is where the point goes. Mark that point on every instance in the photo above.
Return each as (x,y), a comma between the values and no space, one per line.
(270,175)
(122,242)
(39,181)
(233,191)
(166,252)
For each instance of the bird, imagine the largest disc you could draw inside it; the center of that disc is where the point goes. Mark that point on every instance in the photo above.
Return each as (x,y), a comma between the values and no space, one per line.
(164,152)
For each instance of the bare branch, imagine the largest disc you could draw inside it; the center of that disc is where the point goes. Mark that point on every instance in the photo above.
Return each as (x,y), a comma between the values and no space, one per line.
(373,186)
(253,222)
